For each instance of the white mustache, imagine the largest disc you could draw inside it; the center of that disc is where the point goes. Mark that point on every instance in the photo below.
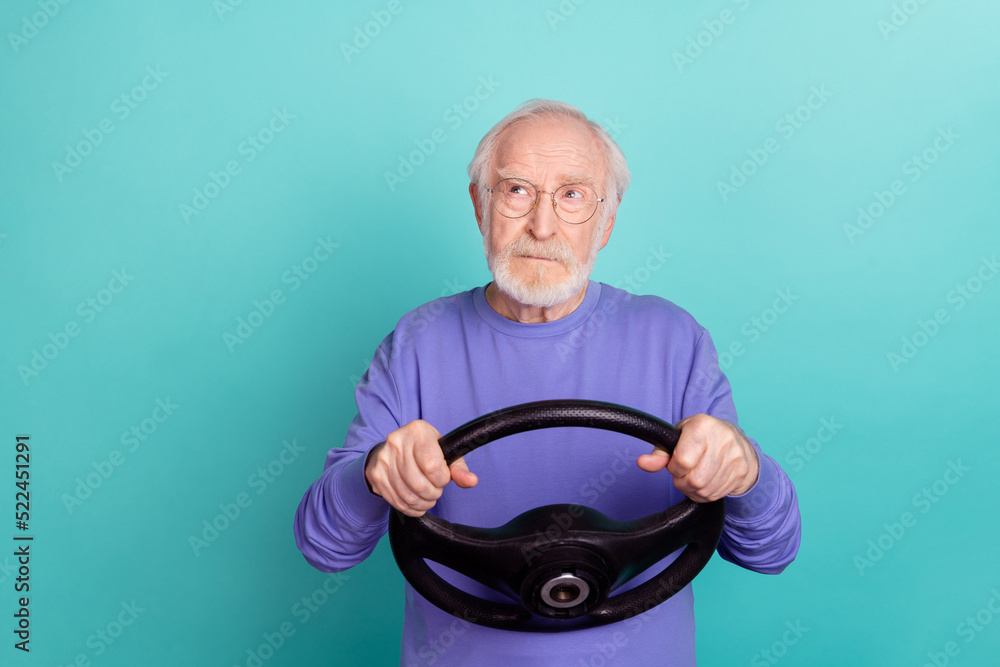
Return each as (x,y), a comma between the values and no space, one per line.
(525,246)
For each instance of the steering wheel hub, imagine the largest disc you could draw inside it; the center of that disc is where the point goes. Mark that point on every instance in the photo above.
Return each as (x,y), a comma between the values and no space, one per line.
(566,582)
(565,591)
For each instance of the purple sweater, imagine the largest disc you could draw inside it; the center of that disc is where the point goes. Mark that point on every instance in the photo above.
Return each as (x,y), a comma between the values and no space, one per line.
(455,359)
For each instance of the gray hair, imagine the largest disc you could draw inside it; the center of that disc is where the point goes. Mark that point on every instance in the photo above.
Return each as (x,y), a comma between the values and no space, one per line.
(618,176)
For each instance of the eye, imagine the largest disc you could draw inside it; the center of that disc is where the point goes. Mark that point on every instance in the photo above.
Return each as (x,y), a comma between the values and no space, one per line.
(513,188)
(576,193)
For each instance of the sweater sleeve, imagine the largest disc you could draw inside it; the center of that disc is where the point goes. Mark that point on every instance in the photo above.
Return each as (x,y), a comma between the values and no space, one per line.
(339,521)
(763,527)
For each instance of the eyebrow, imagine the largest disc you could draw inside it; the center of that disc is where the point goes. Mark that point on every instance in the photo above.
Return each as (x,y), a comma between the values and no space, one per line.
(565,179)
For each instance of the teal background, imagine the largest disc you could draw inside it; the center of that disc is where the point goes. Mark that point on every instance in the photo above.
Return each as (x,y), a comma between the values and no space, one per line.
(682,126)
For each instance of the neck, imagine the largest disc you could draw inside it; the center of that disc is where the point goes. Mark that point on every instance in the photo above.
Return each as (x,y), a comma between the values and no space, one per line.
(519,312)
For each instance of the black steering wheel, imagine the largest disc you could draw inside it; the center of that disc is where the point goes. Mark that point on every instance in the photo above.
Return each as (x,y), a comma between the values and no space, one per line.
(563,583)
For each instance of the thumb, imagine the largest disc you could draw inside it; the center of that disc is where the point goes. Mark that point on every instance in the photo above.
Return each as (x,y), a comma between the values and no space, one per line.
(461,476)
(655,461)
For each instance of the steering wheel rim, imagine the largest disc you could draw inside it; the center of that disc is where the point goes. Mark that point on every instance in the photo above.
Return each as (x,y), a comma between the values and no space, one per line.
(563,584)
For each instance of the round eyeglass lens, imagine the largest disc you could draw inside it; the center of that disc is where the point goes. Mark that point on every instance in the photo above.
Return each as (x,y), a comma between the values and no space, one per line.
(574,203)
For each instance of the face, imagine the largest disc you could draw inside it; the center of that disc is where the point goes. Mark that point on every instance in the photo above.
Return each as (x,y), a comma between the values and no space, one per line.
(538,259)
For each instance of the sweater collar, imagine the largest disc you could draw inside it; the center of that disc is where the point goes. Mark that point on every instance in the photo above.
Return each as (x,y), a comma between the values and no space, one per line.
(541,329)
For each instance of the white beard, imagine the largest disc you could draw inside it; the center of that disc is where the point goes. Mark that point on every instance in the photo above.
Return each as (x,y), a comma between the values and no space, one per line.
(536,290)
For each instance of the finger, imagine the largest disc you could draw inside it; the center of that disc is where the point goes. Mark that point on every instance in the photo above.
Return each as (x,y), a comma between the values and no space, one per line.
(687,454)
(461,475)
(655,461)
(430,464)
(701,487)
(414,486)
(407,509)
(414,502)
(385,488)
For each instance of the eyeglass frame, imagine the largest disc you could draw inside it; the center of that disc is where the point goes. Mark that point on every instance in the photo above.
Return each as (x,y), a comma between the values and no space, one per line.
(552,196)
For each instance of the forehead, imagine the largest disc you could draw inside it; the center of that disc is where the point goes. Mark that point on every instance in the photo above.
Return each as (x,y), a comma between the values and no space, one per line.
(551,148)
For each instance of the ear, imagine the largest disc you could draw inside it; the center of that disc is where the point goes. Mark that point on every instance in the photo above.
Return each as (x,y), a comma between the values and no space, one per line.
(474,193)
(610,225)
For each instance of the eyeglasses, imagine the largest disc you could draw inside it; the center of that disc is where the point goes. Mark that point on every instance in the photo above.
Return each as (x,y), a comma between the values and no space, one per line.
(574,204)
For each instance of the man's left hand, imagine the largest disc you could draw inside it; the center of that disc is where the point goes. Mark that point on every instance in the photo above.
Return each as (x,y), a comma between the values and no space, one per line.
(712,459)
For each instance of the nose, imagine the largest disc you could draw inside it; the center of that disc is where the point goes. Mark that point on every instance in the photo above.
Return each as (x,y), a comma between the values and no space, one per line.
(543,222)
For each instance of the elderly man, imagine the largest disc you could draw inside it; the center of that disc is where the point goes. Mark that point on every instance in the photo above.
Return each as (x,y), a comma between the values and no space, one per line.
(546,184)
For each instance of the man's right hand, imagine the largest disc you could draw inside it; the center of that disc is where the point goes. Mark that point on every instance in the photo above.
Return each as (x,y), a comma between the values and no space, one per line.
(409,470)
